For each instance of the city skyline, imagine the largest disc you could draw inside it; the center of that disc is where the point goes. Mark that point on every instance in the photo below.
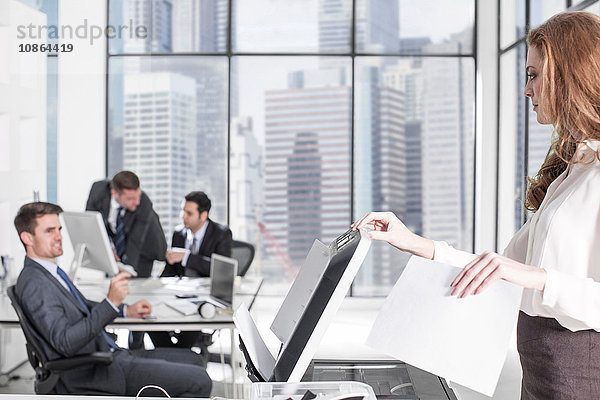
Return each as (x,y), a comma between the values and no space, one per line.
(293,183)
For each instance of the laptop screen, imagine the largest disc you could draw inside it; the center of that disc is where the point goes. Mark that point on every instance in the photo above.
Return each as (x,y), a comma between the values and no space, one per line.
(223,271)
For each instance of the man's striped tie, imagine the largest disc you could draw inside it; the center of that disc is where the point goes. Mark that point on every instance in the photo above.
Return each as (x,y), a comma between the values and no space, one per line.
(120,235)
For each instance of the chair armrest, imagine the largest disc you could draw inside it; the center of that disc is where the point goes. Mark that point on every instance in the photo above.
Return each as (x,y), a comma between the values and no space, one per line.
(63,364)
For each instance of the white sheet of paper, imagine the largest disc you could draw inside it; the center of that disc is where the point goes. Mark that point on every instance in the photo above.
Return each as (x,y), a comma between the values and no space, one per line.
(462,340)
(260,355)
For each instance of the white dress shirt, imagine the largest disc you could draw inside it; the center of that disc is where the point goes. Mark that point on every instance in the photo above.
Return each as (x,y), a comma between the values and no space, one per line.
(112,213)
(189,240)
(563,237)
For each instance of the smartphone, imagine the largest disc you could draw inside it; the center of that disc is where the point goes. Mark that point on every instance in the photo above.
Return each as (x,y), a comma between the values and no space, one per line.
(185,296)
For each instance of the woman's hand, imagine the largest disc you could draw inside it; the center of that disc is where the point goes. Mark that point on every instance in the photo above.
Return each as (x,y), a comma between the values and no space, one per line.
(489,267)
(387,227)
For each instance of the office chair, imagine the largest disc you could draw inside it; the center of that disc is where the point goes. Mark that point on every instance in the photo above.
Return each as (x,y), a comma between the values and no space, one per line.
(243,252)
(47,372)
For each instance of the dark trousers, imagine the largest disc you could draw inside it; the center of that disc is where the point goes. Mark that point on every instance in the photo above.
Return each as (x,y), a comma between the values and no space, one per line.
(136,340)
(557,363)
(180,372)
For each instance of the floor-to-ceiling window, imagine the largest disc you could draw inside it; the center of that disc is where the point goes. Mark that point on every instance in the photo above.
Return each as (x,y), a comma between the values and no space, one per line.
(523,143)
(297,117)
(50,8)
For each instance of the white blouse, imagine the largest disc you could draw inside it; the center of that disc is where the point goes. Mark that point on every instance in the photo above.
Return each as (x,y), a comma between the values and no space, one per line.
(563,237)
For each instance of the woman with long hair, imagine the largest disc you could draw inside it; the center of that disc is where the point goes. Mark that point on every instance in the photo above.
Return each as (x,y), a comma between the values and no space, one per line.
(555,256)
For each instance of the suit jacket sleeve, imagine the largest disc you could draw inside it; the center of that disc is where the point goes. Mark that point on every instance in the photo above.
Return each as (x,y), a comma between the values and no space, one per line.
(147,233)
(155,239)
(174,269)
(96,196)
(220,243)
(64,330)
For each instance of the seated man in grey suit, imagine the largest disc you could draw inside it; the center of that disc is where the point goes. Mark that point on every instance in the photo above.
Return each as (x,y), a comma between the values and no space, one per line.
(199,237)
(68,324)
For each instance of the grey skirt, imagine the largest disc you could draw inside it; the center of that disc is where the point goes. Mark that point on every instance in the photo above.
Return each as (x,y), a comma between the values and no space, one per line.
(557,363)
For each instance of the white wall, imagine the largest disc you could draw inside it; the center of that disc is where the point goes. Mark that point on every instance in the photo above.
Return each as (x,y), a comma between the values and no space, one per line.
(81,109)
(81,105)
(22,142)
(22,121)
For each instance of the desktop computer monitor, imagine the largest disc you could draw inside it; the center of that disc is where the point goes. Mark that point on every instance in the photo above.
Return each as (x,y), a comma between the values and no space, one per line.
(90,242)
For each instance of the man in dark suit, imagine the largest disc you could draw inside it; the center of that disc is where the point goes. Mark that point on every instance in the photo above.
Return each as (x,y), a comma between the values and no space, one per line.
(131,222)
(196,240)
(191,248)
(67,324)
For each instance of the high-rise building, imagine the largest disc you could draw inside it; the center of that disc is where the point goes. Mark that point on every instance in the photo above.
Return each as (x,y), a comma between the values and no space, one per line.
(520,171)
(200,26)
(380,173)
(211,138)
(335,24)
(159,127)
(376,26)
(448,140)
(540,137)
(307,164)
(155,16)
(189,26)
(406,76)
(246,175)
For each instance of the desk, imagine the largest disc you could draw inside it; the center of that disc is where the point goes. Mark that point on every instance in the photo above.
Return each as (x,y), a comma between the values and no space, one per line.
(168,319)
(159,291)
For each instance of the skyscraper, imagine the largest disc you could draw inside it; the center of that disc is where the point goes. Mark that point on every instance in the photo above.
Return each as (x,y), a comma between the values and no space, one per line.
(246,174)
(200,26)
(448,153)
(155,16)
(380,173)
(307,162)
(376,26)
(188,26)
(158,133)
(406,76)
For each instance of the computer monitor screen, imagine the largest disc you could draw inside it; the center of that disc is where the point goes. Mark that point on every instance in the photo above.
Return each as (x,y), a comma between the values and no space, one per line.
(223,271)
(87,229)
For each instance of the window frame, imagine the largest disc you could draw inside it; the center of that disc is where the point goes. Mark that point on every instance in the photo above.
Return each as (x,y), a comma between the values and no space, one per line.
(352,54)
(501,51)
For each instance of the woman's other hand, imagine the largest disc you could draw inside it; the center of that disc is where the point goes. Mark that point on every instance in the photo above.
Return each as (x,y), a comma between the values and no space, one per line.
(489,267)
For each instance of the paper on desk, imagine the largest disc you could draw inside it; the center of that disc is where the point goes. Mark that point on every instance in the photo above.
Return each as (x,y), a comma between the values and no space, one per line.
(462,340)
(260,355)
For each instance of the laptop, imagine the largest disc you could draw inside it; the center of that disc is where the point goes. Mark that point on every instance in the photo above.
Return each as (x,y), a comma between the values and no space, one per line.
(223,271)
